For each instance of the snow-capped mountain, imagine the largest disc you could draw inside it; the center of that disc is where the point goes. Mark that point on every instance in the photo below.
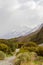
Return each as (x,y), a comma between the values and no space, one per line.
(21,31)
(16,32)
(35,35)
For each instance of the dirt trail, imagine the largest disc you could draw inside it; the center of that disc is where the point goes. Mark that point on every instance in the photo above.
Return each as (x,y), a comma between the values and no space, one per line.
(7,61)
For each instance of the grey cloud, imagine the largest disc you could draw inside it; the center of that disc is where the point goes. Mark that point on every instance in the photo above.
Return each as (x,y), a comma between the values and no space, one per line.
(23,1)
(41,2)
(24,15)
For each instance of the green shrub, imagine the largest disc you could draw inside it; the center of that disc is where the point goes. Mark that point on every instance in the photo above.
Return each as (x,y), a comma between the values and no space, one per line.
(32,49)
(5,48)
(40,50)
(40,58)
(30,44)
(25,57)
(33,56)
(22,57)
(22,50)
(2,55)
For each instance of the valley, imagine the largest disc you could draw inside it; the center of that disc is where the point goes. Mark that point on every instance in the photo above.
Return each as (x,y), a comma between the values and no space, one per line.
(23,50)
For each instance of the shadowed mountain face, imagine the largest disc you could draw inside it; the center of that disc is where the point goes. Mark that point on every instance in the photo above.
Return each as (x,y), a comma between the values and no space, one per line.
(38,37)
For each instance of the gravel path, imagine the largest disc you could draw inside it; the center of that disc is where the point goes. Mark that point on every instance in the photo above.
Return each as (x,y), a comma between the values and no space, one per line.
(7,61)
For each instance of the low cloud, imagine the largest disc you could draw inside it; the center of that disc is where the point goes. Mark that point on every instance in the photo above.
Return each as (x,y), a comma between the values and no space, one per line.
(20,12)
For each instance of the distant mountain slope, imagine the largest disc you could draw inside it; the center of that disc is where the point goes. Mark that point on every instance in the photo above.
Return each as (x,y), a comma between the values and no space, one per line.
(38,37)
(35,36)
(20,31)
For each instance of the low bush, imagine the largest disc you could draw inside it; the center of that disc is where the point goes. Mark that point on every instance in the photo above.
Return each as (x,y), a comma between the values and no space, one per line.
(40,50)
(30,44)
(5,48)
(2,55)
(25,57)
(22,57)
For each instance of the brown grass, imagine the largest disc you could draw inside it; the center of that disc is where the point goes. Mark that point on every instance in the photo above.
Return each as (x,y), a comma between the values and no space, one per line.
(31,63)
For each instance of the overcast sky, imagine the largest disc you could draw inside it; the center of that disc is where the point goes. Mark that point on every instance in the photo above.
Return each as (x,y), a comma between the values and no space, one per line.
(14,13)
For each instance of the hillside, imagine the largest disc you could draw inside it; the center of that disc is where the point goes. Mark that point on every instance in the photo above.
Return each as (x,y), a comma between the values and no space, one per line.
(36,36)
(9,45)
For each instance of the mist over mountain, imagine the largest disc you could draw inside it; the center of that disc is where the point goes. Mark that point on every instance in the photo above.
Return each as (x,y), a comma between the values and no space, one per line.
(26,34)
(19,31)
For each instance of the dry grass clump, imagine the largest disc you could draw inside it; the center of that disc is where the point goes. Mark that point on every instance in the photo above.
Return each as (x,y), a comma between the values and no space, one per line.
(26,58)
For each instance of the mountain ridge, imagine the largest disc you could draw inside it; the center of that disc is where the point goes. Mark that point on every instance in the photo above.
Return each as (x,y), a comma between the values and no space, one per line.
(20,31)
(36,36)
